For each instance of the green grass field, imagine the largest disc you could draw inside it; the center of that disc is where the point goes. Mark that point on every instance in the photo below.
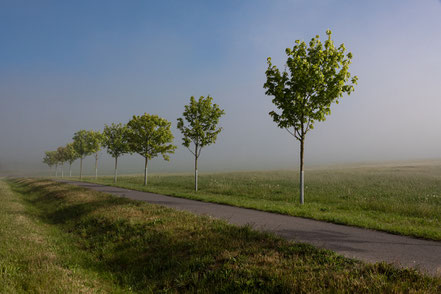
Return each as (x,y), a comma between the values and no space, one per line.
(57,238)
(402,199)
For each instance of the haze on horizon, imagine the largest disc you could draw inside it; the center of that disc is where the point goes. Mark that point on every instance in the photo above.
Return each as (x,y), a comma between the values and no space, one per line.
(67,66)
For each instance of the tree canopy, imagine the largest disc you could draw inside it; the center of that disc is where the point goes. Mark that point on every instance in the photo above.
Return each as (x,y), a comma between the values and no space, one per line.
(50,158)
(318,75)
(150,136)
(84,143)
(202,118)
(71,154)
(115,139)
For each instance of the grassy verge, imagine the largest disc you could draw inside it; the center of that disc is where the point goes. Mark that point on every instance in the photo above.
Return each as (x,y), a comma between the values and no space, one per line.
(121,245)
(34,258)
(404,200)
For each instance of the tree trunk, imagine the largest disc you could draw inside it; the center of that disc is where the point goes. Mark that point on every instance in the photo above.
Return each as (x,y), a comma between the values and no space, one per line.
(62,171)
(116,170)
(302,197)
(81,167)
(70,169)
(56,170)
(96,166)
(196,174)
(196,168)
(50,171)
(145,172)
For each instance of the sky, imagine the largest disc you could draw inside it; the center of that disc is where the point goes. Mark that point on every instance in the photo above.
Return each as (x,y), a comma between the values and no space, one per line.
(71,65)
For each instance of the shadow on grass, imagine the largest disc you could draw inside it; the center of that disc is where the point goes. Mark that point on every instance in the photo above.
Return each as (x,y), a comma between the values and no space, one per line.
(152,255)
(169,251)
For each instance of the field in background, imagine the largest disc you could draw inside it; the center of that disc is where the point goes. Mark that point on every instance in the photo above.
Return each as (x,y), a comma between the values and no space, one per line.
(402,199)
(63,239)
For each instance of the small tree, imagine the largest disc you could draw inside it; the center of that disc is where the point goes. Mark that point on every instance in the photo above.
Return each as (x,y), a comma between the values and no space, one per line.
(202,118)
(83,144)
(149,136)
(50,160)
(318,76)
(71,156)
(96,141)
(61,157)
(115,140)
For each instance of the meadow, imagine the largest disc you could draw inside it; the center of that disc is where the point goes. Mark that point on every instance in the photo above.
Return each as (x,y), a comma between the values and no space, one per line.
(401,199)
(58,238)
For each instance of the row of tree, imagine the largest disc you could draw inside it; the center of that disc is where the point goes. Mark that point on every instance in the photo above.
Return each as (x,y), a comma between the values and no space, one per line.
(315,76)
(147,135)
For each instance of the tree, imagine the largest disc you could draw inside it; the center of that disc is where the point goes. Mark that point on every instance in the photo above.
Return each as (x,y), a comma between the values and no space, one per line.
(61,158)
(318,76)
(96,140)
(50,159)
(71,156)
(83,145)
(115,140)
(202,118)
(149,136)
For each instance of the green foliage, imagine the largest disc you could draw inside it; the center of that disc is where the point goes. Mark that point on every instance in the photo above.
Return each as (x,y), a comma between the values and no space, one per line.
(86,142)
(50,158)
(96,138)
(149,136)
(115,139)
(61,155)
(70,153)
(202,117)
(318,76)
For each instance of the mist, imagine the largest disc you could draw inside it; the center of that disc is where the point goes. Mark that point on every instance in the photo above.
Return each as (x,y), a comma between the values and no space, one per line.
(79,65)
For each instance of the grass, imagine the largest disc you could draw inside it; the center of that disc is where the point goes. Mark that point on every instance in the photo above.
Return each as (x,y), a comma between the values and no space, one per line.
(58,238)
(33,256)
(403,200)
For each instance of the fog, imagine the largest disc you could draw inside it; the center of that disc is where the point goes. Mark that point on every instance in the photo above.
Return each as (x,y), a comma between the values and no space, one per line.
(79,65)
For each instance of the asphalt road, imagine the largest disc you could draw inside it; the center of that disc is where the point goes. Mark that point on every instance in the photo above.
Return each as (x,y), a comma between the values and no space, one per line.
(363,244)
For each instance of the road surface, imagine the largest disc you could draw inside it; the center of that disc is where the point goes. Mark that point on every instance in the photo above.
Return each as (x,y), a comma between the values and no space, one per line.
(358,243)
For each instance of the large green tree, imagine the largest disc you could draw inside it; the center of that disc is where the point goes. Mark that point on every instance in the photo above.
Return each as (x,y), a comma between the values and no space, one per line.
(84,145)
(315,76)
(199,126)
(150,136)
(71,156)
(115,140)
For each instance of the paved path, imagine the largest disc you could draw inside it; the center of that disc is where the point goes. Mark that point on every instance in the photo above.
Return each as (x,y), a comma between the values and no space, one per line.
(367,245)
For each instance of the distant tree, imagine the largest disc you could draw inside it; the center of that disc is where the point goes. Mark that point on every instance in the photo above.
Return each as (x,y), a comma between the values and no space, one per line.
(50,160)
(84,145)
(115,140)
(318,76)
(71,156)
(150,136)
(96,141)
(202,118)
(61,157)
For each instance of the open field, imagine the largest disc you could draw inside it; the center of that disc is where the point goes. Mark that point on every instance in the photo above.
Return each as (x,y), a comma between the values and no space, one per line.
(401,199)
(65,239)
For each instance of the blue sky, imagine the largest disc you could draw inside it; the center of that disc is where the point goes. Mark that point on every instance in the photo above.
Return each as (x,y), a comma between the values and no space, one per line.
(70,65)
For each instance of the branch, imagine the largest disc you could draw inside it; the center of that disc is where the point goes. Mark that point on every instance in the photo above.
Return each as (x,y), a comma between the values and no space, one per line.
(199,152)
(295,134)
(307,125)
(190,151)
